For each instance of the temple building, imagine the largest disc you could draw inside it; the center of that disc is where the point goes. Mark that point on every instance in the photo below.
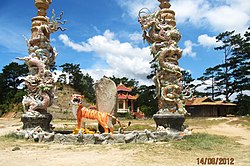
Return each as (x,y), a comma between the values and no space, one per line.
(125,99)
(206,107)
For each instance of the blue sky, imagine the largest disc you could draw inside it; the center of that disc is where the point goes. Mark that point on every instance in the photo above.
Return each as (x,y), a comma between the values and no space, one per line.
(104,36)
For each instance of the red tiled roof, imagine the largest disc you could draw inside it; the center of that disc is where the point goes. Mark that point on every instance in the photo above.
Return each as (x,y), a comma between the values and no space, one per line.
(130,97)
(122,87)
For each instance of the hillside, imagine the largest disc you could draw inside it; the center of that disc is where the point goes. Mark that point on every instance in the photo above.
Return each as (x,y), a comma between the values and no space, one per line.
(61,109)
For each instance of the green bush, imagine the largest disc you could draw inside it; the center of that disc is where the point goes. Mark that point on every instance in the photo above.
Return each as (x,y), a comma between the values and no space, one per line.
(3,109)
(148,111)
(243,107)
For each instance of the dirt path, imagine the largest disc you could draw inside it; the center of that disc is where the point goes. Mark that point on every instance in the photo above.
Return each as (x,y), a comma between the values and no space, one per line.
(240,133)
(8,125)
(62,156)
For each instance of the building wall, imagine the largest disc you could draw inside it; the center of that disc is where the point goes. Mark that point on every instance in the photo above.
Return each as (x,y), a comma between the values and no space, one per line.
(207,111)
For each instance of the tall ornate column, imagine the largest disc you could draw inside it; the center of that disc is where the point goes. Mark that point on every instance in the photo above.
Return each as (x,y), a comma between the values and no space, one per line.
(159,30)
(39,82)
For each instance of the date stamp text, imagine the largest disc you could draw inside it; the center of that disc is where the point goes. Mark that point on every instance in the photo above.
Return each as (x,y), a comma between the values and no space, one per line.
(215,161)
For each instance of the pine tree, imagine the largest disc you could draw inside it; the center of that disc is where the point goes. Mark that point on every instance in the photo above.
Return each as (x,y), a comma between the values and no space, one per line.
(213,88)
(82,83)
(224,74)
(233,75)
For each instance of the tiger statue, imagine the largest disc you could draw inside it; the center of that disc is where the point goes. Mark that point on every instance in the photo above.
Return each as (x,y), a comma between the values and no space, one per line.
(103,118)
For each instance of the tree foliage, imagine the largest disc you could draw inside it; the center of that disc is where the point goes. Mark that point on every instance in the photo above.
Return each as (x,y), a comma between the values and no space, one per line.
(10,81)
(213,88)
(127,82)
(233,75)
(80,82)
(147,101)
(243,107)
(186,79)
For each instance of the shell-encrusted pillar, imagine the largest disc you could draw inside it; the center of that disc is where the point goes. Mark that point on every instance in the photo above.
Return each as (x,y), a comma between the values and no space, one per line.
(159,30)
(39,82)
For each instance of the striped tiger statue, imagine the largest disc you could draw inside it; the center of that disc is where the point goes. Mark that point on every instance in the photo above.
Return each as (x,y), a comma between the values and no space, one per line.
(103,118)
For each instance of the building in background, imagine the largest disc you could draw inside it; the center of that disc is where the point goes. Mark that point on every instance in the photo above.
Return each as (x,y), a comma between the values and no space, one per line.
(206,107)
(125,99)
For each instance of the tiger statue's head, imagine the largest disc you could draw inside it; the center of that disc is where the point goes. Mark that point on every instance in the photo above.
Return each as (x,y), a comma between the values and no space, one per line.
(76,100)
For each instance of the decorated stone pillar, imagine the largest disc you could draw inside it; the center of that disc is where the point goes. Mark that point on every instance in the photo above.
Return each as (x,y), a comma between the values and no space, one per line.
(39,82)
(159,30)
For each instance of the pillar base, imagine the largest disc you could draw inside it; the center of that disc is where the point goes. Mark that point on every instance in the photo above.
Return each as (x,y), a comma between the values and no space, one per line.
(172,121)
(33,120)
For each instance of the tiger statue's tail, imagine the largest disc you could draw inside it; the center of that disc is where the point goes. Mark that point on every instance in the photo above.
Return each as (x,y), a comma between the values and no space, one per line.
(121,129)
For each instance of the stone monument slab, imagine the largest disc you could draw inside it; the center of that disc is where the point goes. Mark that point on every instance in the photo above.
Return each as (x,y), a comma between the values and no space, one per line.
(106,95)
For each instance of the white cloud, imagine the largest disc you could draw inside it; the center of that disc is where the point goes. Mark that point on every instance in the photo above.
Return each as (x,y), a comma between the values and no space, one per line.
(207,41)
(122,58)
(136,36)
(75,46)
(228,18)
(188,50)
(219,15)
(190,11)
(202,85)
(134,6)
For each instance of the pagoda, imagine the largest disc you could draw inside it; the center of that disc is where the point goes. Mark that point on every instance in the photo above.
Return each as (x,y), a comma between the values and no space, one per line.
(125,101)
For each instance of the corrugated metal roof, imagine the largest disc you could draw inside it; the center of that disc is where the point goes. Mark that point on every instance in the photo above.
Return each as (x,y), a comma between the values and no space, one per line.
(207,101)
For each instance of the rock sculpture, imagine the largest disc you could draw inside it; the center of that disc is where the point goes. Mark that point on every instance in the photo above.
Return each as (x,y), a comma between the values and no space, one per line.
(106,95)
(106,98)
(39,82)
(159,30)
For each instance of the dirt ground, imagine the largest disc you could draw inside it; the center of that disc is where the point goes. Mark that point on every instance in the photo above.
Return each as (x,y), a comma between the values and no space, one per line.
(242,134)
(152,154)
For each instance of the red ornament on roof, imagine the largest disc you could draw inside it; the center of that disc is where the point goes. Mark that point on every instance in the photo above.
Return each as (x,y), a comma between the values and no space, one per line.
(123,88)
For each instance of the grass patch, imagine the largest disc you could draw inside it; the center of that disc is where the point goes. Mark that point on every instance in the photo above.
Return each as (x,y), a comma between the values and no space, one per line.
(13,136)
(204,122)
(139,127)
(203,141)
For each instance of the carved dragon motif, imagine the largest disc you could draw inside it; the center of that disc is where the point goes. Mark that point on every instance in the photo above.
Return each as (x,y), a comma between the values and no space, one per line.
(159,30)
(41,56)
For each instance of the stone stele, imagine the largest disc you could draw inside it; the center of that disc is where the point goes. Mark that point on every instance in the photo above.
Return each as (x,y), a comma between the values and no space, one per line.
(106,96)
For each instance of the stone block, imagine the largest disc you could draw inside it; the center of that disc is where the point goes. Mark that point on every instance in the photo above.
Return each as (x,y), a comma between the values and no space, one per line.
(33,120)
(106,95)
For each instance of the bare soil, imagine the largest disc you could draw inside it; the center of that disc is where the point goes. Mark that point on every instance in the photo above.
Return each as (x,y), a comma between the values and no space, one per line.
(152,154)
(240,133)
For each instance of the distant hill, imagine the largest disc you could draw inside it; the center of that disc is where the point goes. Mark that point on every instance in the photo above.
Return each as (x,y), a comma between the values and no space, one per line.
(62,108)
